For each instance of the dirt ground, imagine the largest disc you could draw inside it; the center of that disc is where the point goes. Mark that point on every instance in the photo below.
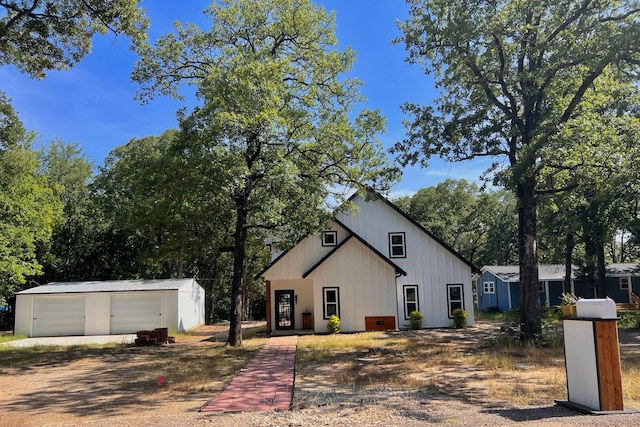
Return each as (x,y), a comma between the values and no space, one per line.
(93,390)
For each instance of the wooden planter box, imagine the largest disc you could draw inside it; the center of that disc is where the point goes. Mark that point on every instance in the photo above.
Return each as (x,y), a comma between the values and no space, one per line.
(306,320)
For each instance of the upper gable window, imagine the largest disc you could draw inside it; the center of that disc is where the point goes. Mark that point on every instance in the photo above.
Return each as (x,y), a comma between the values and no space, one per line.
(329,238)
(397,245)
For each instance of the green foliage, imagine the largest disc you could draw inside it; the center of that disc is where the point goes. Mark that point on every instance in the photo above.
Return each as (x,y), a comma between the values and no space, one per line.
(481,225)
(629,319)
(459,318)
(40,36)
(568,298)
(276,117)
(29,210)
(512,74)
(333,325)
(70,175)
(415,320)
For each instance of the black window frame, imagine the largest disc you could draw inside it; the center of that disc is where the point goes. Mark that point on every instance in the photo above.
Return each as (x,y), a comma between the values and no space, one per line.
(392,245)
(332,233)
(407,312)
(325,314)
(449,301)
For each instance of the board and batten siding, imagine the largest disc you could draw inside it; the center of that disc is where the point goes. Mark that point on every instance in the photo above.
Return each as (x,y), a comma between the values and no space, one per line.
(428,264)
(303,256)
(367,286)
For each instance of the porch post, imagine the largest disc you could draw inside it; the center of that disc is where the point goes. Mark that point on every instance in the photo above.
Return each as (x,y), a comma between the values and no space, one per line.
(268,299)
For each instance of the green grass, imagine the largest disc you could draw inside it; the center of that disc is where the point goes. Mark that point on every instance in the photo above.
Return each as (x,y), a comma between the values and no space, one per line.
(8,337)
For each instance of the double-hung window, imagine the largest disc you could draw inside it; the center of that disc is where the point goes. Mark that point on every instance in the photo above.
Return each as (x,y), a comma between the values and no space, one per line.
(331,301)
(624,283)
(454,298)
(410,299)
(397,245)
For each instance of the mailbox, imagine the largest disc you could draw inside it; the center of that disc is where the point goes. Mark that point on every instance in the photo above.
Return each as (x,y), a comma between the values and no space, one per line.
(597,308)
(592,357)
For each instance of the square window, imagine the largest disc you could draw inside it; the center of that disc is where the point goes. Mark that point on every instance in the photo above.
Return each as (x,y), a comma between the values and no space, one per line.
(489,287)
(329,238)
(397,246)
(541,287)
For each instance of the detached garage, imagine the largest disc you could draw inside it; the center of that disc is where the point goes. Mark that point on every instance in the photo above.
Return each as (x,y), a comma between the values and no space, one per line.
(109,307)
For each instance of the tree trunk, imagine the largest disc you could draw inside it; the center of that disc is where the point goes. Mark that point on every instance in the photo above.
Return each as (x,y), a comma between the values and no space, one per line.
(180,268)
(568,256)
(529,293)
(601,283)
(239,248)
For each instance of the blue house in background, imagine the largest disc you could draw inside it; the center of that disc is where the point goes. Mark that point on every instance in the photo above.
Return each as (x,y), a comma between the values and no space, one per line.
(498,286)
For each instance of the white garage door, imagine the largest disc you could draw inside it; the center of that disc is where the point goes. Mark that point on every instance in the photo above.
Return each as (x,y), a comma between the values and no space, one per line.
(135,312)
(58,315)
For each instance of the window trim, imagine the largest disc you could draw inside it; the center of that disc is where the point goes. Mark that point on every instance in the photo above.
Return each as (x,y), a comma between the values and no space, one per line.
(404,244)
(489,289)
(449,301)
(332,233)
(325,303)
(404,299)
(628,280)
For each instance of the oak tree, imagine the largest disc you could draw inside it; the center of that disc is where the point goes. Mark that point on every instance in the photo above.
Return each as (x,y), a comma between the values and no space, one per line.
(277,111)
(511,73)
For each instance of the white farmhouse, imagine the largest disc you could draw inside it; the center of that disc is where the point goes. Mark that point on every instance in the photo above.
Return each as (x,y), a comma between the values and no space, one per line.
(371,267)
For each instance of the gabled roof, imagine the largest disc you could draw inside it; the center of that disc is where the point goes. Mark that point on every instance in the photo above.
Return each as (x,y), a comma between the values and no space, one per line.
(353,235)
(420,227)
(107,286)
(511,273)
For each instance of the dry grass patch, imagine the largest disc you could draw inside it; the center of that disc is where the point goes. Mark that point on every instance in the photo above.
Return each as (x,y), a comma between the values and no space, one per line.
(483,369)
(188,367)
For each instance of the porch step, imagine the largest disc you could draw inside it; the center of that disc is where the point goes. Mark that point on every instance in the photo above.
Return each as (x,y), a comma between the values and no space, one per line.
(626,306)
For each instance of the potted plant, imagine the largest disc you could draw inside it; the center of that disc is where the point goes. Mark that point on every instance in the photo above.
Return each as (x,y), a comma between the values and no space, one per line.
(568,304)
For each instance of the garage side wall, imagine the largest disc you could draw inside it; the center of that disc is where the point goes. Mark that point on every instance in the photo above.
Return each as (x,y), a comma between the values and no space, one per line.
(24,315)
(190,307)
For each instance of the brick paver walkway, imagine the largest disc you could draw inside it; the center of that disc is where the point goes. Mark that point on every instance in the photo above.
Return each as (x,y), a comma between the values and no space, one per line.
(265,383)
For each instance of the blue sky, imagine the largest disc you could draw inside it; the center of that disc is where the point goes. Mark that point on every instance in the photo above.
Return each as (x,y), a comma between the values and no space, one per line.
(93,104)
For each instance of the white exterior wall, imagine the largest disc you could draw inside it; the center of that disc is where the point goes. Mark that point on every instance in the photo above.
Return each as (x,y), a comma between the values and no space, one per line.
(303,256)
(24,315)
(366,287)
(98,310)
(190,307)
(428,264)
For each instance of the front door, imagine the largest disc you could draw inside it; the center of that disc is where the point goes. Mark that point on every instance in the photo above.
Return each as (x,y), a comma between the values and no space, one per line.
(284,310)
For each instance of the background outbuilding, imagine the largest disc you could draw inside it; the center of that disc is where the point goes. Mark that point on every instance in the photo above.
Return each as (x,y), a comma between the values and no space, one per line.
(109,307)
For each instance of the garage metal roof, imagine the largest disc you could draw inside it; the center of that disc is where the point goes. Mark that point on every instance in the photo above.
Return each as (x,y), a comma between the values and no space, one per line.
(108,286)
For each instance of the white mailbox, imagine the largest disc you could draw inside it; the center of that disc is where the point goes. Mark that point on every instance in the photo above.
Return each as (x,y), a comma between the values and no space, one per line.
(597,308)
(592,357)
